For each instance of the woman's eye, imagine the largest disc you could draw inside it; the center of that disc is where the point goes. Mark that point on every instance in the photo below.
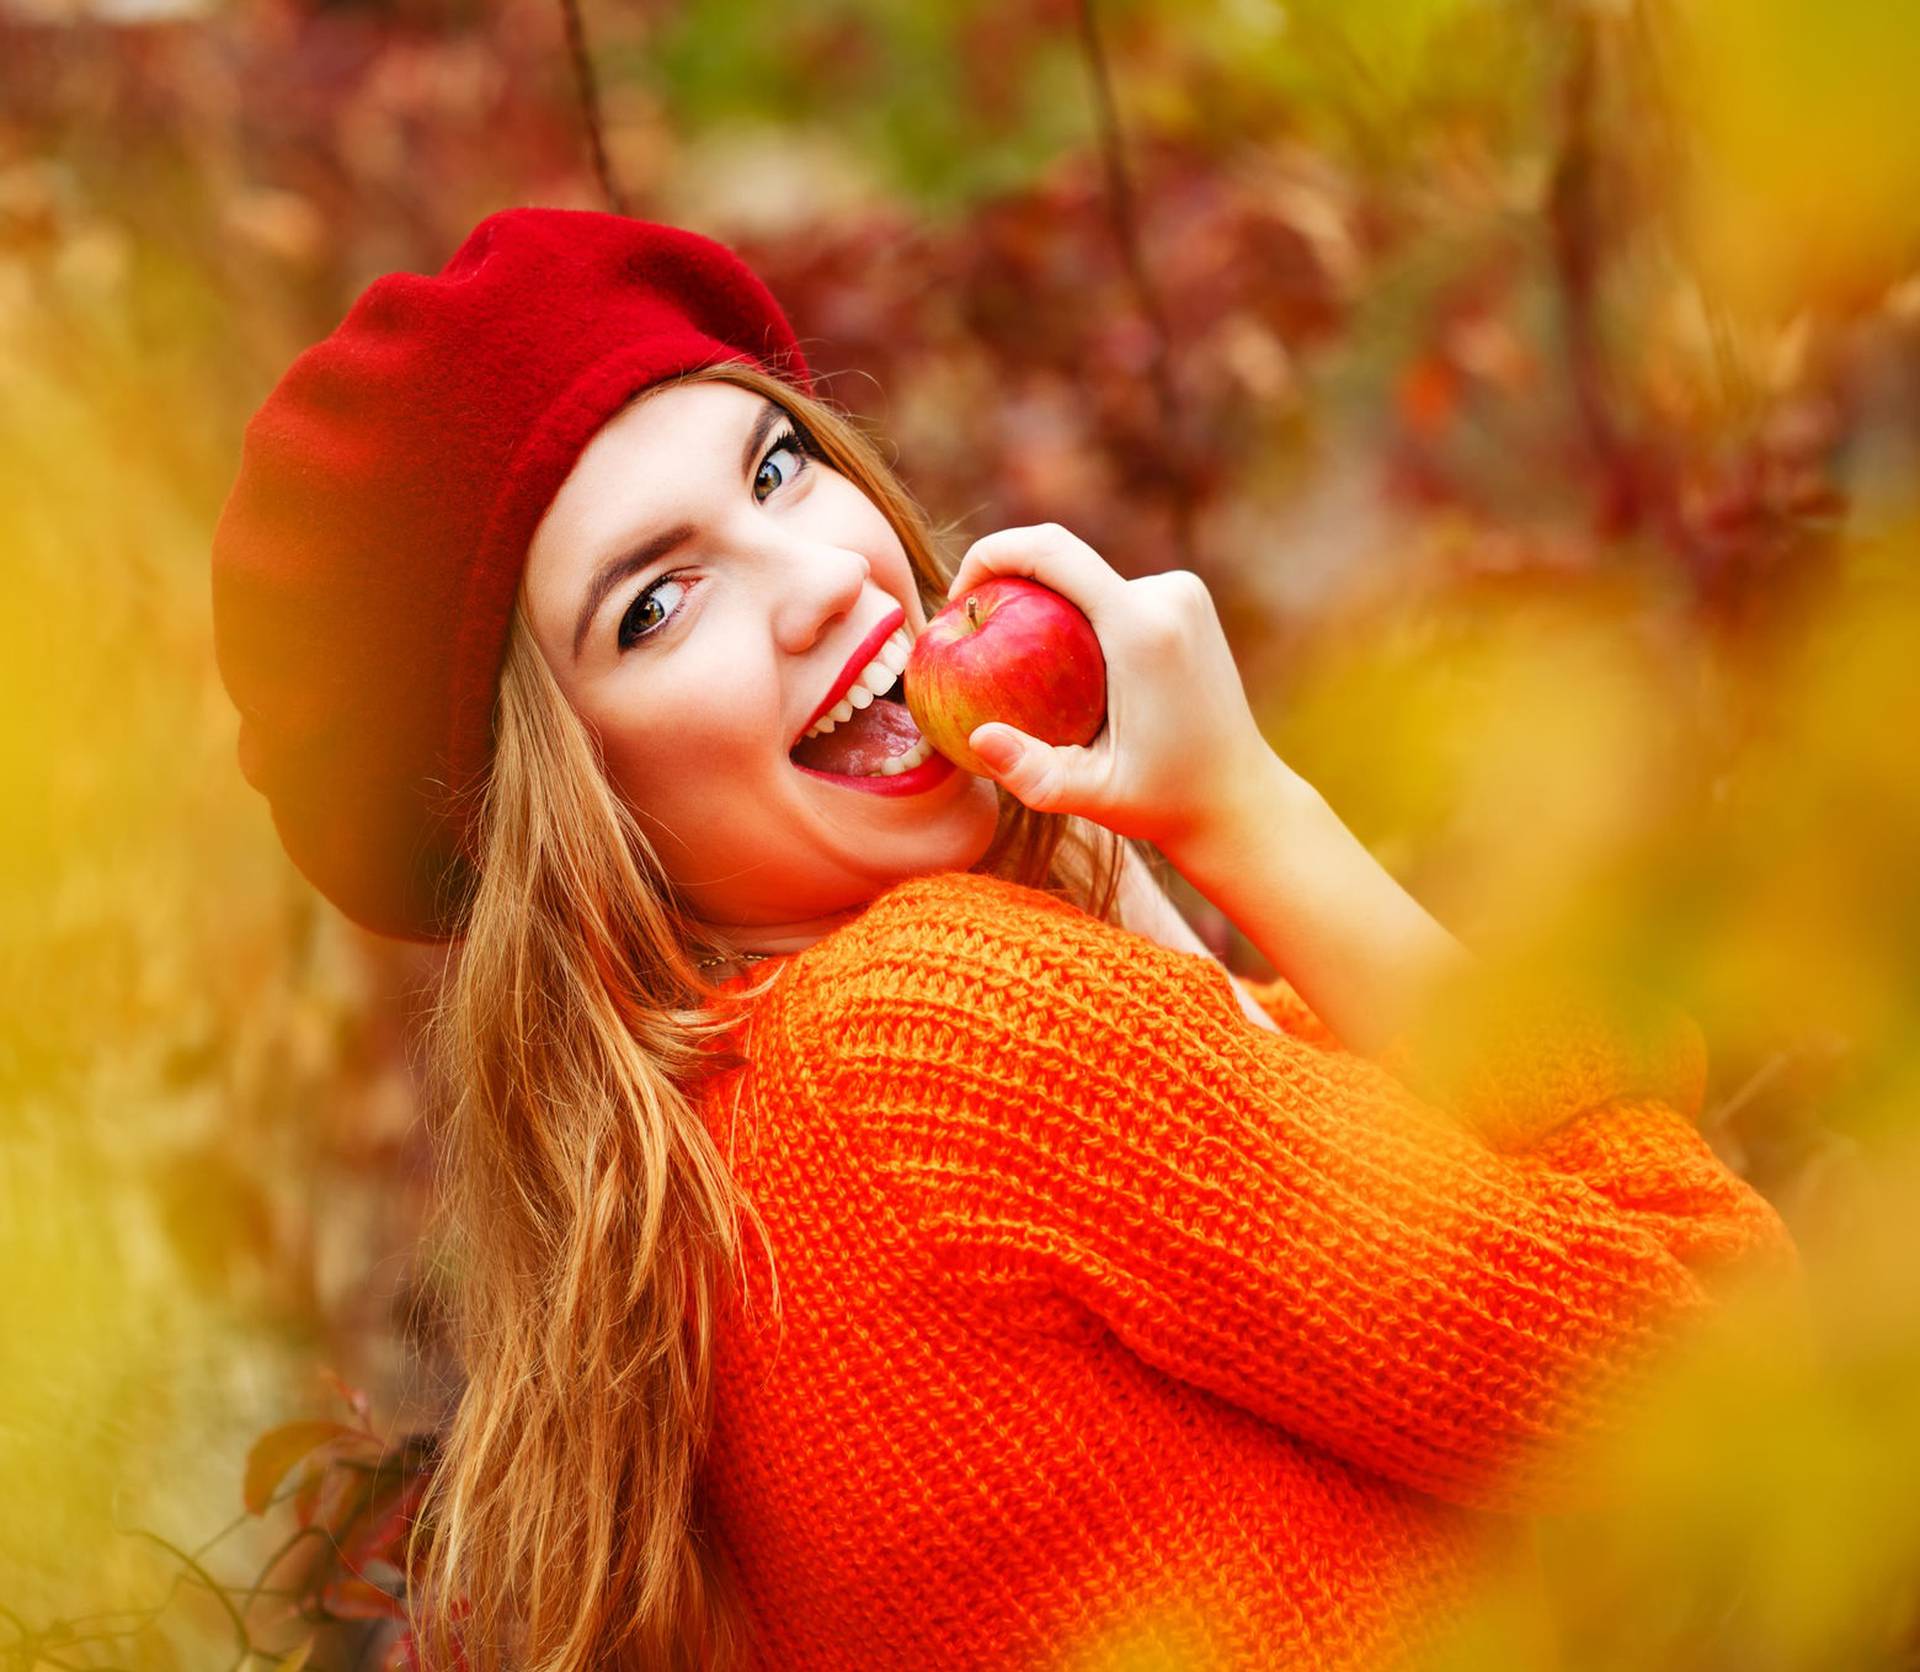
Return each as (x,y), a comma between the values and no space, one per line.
(789,444)
(643,617)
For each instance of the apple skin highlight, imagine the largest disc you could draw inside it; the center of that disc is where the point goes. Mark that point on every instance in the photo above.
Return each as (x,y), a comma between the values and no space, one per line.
(1010,650)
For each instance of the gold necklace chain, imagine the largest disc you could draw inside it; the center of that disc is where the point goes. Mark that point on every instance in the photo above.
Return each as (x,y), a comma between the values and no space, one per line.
(733,958)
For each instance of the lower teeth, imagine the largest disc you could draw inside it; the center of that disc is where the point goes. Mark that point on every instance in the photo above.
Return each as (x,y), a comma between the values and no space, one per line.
(897,764)
(903,763)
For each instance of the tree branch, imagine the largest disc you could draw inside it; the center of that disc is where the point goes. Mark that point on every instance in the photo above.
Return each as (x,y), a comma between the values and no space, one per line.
(1121,203)
(590,105)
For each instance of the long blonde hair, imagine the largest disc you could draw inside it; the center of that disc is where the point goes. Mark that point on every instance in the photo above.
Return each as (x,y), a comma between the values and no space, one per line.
(587,1217)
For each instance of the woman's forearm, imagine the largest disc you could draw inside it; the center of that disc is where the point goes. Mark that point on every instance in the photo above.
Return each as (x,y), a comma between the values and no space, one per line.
(1330,918)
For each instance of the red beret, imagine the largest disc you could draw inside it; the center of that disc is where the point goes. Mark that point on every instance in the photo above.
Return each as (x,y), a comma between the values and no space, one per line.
(365,563)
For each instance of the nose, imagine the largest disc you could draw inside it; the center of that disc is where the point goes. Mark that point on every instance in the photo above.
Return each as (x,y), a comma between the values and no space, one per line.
(815,586)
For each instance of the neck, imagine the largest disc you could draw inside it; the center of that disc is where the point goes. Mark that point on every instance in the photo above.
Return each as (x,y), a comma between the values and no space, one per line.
(776,937)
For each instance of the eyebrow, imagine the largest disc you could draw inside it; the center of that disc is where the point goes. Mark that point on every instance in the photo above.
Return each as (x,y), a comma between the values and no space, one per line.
(617,568)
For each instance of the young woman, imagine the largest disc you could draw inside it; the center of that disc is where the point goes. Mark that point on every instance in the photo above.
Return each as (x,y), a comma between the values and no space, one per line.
(1097,1308)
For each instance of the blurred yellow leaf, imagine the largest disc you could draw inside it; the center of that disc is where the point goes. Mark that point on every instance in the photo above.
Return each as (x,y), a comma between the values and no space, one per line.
(1809,189)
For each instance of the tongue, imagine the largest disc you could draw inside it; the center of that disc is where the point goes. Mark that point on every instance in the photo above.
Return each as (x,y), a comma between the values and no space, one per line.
(858,745)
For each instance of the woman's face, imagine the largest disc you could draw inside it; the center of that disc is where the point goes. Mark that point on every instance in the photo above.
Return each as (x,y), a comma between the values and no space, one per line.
(699,667)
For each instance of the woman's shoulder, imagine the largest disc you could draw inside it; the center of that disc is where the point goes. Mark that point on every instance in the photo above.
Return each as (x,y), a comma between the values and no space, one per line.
(939,904)
(970,940)
(953,919)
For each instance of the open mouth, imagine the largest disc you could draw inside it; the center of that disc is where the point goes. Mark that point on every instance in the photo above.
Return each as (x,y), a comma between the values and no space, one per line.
(874,738)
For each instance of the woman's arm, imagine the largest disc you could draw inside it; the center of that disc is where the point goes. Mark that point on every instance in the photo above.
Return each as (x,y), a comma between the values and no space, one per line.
(1392,984)
(1332,920)
(1145,909)
(1064,1107)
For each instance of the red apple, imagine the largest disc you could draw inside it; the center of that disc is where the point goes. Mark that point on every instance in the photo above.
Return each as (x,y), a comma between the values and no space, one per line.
(1010,650)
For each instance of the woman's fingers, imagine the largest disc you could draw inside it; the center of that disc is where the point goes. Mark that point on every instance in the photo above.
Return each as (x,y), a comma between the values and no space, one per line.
(1048,778)
(1049,554)
(1179,736)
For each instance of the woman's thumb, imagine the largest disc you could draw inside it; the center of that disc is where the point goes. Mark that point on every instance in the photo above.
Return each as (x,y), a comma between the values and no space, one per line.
(999,746)
(1020,762)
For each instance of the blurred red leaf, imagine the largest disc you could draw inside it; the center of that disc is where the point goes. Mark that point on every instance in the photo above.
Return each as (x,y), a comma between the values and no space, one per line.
(278,1451)
(382,1536)
(1428,395)
(306,1496)
(355,1399)
(343,1494)
(359,1599)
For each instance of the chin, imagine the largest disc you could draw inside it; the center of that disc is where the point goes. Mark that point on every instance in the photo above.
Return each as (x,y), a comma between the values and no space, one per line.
(980,833)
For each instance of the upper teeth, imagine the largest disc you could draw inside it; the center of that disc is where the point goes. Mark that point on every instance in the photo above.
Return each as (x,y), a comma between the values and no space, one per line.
(874,678)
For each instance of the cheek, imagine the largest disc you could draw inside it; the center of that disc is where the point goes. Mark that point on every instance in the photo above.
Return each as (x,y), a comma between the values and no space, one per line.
(700,733)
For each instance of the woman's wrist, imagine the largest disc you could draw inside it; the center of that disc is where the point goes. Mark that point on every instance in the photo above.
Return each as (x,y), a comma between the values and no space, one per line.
(1349,939)
(1267,804)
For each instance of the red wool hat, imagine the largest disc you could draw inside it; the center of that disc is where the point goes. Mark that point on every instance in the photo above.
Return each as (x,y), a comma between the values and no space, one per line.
(365,563)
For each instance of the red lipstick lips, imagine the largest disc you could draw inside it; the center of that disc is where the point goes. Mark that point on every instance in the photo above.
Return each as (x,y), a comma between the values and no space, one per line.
(863,653)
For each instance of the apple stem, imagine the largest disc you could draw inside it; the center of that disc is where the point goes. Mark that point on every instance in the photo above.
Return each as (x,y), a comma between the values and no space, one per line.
(973,615)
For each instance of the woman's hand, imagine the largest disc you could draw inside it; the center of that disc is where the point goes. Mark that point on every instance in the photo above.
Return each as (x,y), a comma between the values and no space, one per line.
(1180,747)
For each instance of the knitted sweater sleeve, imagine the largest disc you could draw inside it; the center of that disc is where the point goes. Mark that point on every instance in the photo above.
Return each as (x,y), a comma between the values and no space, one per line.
(1067,1108)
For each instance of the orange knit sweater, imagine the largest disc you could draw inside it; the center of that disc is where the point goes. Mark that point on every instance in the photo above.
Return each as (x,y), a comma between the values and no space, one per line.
(1116,1330)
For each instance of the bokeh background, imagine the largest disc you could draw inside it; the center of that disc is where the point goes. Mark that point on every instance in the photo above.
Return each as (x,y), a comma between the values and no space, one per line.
(1536,385)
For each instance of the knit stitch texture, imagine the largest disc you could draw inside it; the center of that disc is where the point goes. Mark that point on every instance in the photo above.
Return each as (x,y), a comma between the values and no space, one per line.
(1116,1330)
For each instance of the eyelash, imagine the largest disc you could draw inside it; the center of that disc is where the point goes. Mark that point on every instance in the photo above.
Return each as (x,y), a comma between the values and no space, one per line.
(803,447)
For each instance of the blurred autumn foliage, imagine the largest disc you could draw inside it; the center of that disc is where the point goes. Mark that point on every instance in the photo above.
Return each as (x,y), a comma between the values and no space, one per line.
(1537,387)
